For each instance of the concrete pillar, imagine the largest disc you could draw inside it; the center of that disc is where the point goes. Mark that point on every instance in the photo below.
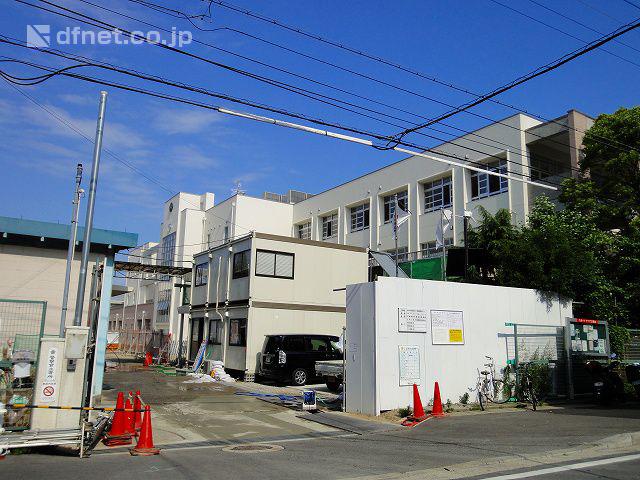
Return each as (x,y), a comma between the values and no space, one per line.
(460,199)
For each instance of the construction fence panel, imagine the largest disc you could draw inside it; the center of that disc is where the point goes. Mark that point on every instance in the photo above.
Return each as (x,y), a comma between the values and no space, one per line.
(21,327)
(632,353)
(541,344)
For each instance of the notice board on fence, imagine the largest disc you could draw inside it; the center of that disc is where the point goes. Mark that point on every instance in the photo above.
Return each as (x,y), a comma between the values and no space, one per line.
(409,358)
(447,327)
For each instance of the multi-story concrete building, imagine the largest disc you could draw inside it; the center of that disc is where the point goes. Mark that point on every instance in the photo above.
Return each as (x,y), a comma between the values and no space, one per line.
(359,212)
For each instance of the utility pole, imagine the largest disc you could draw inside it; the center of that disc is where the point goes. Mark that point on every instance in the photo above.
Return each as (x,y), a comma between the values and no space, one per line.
(72,247)
(88,224)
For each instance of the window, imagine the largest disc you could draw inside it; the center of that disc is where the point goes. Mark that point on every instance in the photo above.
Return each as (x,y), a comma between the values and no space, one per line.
(241,264)
(304,231)
(390,204)
(202,274)
(215,332)
(329,226)
(484,185)
(274,264)
(293,344)
(226,233)
(429,249)
(238,332)
(167,253)
(360,217)
(318,344)
(437,194)
(403,254)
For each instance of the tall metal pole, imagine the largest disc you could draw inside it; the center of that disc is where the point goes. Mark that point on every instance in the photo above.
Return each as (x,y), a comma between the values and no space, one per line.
(72,247)
(466,246)
(395,227)
(88,224)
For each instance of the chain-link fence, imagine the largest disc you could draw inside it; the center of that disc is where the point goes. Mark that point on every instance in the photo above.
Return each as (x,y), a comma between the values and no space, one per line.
(540,344)
(21,327)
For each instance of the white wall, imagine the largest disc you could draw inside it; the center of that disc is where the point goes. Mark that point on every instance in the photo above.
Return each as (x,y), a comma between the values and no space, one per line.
(30,273)
(372,359)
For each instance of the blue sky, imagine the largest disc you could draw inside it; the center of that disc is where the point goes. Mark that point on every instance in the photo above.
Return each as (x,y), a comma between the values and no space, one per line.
(476,44)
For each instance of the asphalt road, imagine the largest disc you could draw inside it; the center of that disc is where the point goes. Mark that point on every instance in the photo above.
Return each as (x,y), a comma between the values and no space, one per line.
(463,445)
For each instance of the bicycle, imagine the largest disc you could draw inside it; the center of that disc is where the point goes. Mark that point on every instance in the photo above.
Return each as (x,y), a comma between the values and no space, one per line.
(490,388)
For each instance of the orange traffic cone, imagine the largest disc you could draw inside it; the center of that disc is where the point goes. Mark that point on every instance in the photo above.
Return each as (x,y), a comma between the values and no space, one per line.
(146,361)
(137,412)
(128,406)
(145,440)
(437,402)
(118,434)
(418,410)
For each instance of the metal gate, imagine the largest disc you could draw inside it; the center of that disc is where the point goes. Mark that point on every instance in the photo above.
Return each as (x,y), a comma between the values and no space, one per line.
(542,344)
(21,327)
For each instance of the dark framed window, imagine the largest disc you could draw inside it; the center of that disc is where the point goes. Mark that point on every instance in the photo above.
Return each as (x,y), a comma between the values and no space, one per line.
(390,204)
(304,231)
(238,332)
(437,194)
(293,344)
(274,264)
(329,226)
(485,185)
(202,274)
(360,217)
(241,264)
(215,332)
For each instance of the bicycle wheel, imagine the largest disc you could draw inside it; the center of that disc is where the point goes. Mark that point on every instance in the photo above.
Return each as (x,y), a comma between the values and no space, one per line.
(481,402)
(502,391)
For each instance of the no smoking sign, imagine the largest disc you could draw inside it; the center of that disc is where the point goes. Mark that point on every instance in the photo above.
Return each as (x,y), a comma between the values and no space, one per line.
(48,391)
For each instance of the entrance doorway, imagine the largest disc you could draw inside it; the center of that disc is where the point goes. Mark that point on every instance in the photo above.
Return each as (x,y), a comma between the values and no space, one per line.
(197,334)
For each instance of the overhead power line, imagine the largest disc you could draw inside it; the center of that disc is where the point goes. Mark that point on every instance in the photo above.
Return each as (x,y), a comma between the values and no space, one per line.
(326,133)
(563,32)
(583,25)
(533,74)
(137,74)
(174,13)
(387,62)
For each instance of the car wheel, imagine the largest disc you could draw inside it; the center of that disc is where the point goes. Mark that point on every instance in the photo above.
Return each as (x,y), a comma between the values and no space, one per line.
(333,385)
(299,376)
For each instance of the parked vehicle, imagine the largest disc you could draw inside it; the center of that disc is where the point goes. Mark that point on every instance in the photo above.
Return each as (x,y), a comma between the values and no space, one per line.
(633,376)
(292,358)
(331,372)
(608,387)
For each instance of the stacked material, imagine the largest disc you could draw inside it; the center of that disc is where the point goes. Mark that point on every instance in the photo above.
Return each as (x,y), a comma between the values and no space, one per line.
(218,372)
(199,378)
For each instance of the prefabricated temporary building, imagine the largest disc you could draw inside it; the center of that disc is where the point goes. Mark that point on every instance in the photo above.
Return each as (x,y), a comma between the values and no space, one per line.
(402,331)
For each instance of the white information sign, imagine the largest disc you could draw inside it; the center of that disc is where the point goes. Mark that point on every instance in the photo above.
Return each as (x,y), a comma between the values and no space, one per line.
(412,320)
(447,327)
(409,356)
(49,387)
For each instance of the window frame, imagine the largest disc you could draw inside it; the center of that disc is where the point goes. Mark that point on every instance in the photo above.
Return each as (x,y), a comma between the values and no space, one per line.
(218,337)
(275,261)
(427,252)
(437,188)
(302,228)
(334,226)
(388,204)
(242,341)
(364,212)
(403,254)
(199,276)
(241,273)
(482,181)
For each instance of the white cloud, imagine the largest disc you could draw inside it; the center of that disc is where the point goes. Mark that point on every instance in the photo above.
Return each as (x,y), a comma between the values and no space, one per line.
(179,120)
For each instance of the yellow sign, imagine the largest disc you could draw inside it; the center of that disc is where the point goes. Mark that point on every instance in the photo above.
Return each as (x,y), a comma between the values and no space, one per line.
(455,336)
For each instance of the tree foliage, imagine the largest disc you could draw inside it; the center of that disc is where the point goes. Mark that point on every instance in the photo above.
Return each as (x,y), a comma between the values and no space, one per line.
(588,250)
